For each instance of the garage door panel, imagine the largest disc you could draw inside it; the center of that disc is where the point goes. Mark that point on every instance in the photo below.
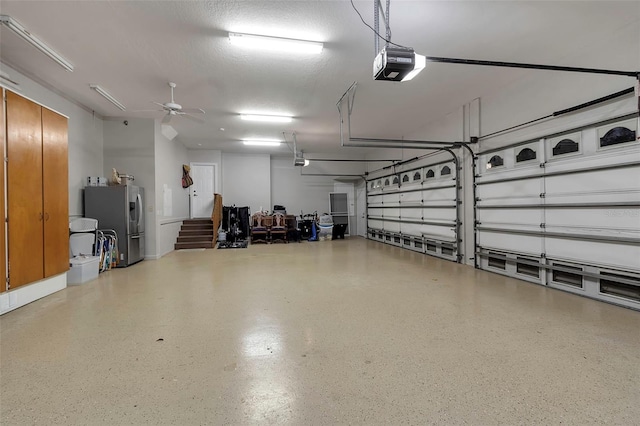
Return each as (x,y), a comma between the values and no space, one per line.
(392,213)
(376,212)
(510,216)
(593,181)
(439,195)
(411,197)
(439,214)
(392,226)
(595,253)
(432,232)
(375,224)
(511,242)
(511,192)
(393,199)
(374,199)
(597,218)
(412,214)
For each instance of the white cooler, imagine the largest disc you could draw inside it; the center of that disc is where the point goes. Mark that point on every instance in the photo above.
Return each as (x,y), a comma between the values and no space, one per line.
(83,269)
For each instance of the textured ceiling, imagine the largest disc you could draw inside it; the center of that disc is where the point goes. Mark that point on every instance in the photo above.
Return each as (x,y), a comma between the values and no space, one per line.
(133,48)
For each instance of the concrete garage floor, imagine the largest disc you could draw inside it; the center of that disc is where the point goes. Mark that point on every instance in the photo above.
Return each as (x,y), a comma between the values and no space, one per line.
(317,333)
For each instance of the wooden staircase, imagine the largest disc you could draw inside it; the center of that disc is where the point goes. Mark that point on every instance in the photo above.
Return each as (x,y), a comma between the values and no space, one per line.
(195,233)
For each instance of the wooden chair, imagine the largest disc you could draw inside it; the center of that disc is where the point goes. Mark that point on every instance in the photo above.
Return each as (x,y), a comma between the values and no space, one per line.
(278,229)
(259,228)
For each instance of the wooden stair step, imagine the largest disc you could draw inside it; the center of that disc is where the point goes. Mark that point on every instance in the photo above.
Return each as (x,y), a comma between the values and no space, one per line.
(194,221)
(194,232)
(195,238)
(198,244)
(197,226)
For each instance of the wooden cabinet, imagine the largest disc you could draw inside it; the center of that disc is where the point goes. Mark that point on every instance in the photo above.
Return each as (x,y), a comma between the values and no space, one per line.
(37,191)
(55,193)
(3,249)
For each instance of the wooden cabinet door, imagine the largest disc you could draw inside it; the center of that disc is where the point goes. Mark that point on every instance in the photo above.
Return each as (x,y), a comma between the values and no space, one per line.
(55,187)
(3,248)
(24,190)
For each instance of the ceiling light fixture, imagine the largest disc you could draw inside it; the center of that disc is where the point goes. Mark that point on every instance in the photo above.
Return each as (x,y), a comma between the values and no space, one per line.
(17,28)
(275,43)
(266,118)
(107,96)
(261,142)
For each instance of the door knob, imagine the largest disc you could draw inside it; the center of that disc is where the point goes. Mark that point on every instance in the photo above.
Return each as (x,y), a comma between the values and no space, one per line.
(46,216)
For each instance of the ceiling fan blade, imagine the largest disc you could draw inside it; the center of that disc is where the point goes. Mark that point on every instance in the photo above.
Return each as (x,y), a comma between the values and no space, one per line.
(158,103)
(147,110)
(166,119)
(193,110)
(193,118)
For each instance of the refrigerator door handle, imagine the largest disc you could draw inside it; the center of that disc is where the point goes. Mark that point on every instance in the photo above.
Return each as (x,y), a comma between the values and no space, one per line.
(139,209)
(135,237)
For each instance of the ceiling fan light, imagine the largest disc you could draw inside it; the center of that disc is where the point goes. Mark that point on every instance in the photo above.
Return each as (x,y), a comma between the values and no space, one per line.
(266,118)
(262,142)
(275,43)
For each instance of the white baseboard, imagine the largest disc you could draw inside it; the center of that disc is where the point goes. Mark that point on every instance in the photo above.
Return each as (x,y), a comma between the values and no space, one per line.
(21,296)
(152,257)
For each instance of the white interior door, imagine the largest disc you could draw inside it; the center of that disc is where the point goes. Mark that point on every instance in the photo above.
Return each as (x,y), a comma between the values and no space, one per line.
(202,190)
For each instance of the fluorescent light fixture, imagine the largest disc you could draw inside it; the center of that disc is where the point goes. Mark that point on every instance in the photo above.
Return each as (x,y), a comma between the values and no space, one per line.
(107,96)
(275,43)
(420,63)
(262,142)
(306,162)
(17,28)
(266,118)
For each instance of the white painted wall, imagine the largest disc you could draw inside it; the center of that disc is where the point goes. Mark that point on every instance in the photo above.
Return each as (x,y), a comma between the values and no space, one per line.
(247,180)
(169,157)
(296,192)
(85,135)
(131,149)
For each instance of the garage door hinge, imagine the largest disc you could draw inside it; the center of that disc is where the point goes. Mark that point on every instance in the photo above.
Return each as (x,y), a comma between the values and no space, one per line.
(543,194)
(542,165)
(543,225)
(543,255)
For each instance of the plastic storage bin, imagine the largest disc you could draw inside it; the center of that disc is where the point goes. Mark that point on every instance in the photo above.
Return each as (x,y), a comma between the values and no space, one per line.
(83,269)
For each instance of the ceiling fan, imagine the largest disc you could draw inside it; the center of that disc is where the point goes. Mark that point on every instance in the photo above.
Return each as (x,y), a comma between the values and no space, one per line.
(173,109)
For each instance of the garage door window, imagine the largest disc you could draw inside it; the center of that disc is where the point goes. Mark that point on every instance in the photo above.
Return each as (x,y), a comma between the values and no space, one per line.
(446,170)
(610,285)
(395,180)
(416,176)
(565,277)
(386,182)
(617,135)
(495,161)
(430,174)
(527,154)
(405,178)
(565,146)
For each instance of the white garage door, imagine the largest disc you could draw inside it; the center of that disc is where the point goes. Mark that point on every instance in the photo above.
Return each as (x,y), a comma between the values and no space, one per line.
(416,209)
(564,211)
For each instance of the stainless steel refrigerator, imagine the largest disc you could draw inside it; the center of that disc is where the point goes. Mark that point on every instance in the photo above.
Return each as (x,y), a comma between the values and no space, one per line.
(120,208)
